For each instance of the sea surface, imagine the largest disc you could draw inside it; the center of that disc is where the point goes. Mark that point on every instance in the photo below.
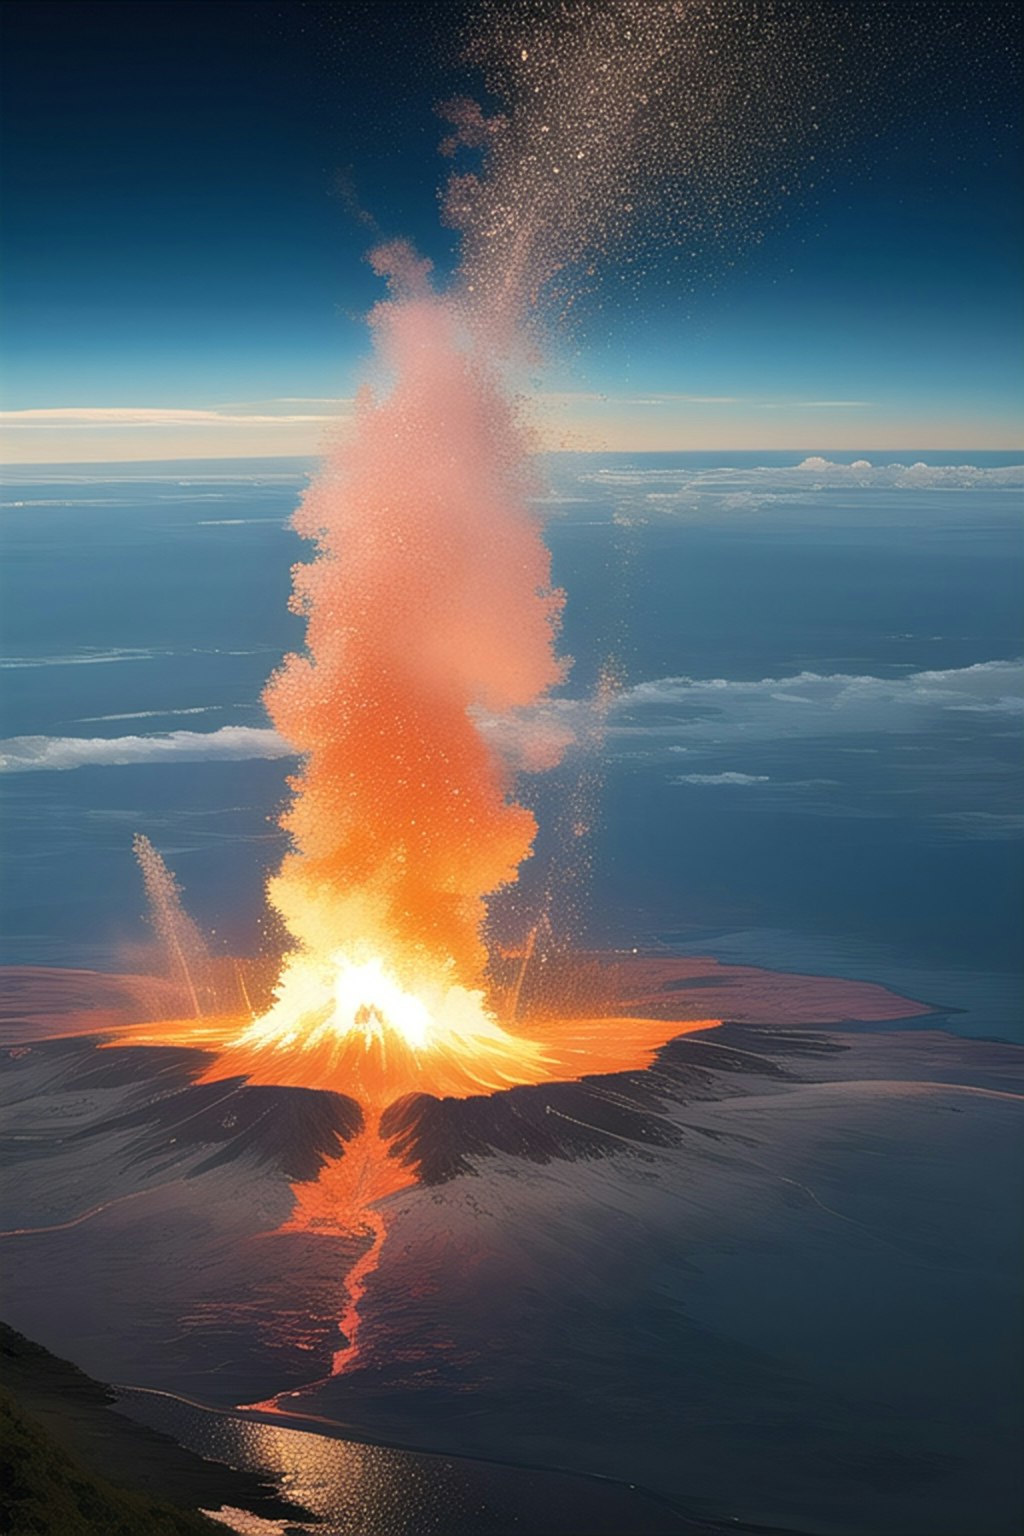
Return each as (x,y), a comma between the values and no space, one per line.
(813,763)
(773,1282)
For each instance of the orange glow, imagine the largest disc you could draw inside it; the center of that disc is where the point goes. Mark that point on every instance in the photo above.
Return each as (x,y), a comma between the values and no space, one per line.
(343,1027)
(346,1025)
(344,1200)
(429,599)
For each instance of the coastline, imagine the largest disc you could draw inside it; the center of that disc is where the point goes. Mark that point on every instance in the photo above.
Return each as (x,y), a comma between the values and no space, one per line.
(76,1414)
(126,1471)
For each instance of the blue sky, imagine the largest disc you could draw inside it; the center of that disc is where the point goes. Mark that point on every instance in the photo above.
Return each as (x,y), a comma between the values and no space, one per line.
(175,241)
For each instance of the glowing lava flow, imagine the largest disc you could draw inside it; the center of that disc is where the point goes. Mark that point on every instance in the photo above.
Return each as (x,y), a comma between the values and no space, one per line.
(344,1200)
(346,1025)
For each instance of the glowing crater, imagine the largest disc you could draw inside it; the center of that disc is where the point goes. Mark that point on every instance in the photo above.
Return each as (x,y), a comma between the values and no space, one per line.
(337,998)
(346,1023)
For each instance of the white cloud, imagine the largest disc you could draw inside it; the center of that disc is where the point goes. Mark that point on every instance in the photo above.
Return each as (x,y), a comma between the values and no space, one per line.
(718,712)
(815,405)
(118,434)
(811,489)
(88,418)
(629,400)
(148,714)
(86,658)
(674,716)
(721,778)
(22,754)
(76,659)
(813,472)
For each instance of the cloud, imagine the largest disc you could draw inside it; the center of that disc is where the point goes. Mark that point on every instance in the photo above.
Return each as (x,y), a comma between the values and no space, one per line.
(534,740)
(88,418)
(721,778)
(815,405)
(76,434)
(669,399)
(148,714)
(937,746)
(76,659)
(97,658)
(813,472)
(24,754)
(177,481)
(718,712)
(706,717)
(810,489)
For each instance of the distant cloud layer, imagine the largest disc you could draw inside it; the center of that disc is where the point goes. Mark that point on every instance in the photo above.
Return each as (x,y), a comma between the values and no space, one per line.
(836,744)
(286,427)
(829,744)
(940,746)
(718,711)
(682,714)
(93,417)
(22,754)
(659,482)
(587,419)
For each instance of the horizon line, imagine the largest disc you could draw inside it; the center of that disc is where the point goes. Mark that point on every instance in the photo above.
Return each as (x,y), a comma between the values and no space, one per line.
(306,458)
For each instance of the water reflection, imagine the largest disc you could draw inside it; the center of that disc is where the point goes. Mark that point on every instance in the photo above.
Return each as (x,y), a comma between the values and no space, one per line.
(351,1489)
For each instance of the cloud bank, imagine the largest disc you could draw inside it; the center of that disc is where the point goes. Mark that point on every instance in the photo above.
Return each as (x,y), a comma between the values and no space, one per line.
(941,746)
(24,754)
(718,712)
(91,417)
(813,488)
(120,433)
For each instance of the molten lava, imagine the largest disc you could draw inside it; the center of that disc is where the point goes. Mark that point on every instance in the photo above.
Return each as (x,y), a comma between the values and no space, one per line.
(345,1023)
(350,1026)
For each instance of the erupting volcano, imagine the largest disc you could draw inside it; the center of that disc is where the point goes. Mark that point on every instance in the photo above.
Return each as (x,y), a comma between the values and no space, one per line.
(431,640)
(461,527)
(430,620)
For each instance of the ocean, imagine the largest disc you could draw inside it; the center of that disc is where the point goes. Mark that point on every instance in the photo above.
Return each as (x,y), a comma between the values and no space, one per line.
(812,764)
(770,1281)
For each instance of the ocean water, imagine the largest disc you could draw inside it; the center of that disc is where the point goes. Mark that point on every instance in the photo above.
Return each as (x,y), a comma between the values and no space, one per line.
(775,1279)
(813,763)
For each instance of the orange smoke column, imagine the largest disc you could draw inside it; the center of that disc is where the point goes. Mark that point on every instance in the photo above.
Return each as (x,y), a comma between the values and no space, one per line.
(430,596)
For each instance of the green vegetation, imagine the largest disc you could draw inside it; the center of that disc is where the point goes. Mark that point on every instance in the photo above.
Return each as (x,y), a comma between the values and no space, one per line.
(44,1491)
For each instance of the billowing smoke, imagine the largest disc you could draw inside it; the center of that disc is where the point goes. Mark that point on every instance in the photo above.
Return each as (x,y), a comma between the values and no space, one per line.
(430,596)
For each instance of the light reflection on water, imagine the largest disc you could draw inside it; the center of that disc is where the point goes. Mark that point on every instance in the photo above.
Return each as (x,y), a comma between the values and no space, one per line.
(352,1489)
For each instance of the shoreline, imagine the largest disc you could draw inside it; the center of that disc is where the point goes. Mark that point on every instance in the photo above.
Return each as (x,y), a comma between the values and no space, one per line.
(80,1416)
(85,1421)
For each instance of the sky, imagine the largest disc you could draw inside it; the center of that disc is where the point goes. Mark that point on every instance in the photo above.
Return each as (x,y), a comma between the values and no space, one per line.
(184,243)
